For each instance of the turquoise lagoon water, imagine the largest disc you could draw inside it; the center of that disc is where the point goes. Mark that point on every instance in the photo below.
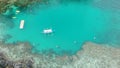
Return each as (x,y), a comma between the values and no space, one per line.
(72,24)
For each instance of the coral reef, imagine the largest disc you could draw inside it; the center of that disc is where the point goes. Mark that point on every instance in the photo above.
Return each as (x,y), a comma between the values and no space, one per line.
(11,4)
(91,56)
(5,63)
(4,22)
(5,4)
(8,4)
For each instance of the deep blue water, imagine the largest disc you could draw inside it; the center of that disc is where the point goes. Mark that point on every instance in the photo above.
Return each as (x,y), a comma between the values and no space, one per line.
(72,24)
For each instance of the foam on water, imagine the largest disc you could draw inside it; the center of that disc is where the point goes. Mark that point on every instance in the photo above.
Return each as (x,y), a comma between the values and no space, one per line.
(72,24)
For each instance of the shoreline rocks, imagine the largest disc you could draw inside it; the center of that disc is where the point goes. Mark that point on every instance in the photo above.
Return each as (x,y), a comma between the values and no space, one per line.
(7,4)
(11,4)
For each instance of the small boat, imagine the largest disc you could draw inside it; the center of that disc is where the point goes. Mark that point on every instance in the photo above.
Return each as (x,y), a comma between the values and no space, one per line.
(22,24)
(47,31)
(14,17)
(17,11)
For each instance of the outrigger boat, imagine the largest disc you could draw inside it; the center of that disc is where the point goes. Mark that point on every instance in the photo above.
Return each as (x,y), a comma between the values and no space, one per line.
(47,31)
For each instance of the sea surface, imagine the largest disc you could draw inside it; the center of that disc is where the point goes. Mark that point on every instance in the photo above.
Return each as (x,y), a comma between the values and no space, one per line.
(73,24)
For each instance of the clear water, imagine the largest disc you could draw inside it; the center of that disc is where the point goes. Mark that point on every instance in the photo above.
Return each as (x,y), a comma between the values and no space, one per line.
(72,24)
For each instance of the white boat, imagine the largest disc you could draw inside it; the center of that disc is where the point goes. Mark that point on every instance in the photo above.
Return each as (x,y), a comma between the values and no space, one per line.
(47,31)
(17,11)
(22,24)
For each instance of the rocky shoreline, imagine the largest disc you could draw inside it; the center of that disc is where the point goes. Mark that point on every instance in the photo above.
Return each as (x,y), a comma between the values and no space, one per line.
(11,4)
(91,56)
(8,4)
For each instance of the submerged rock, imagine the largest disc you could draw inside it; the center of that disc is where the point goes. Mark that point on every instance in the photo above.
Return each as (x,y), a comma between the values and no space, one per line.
(6,22)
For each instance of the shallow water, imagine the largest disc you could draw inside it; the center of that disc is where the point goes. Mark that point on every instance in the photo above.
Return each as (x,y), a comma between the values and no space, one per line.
(72,24)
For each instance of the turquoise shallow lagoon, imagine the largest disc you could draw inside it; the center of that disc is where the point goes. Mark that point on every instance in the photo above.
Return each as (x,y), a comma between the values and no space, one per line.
(73,24)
